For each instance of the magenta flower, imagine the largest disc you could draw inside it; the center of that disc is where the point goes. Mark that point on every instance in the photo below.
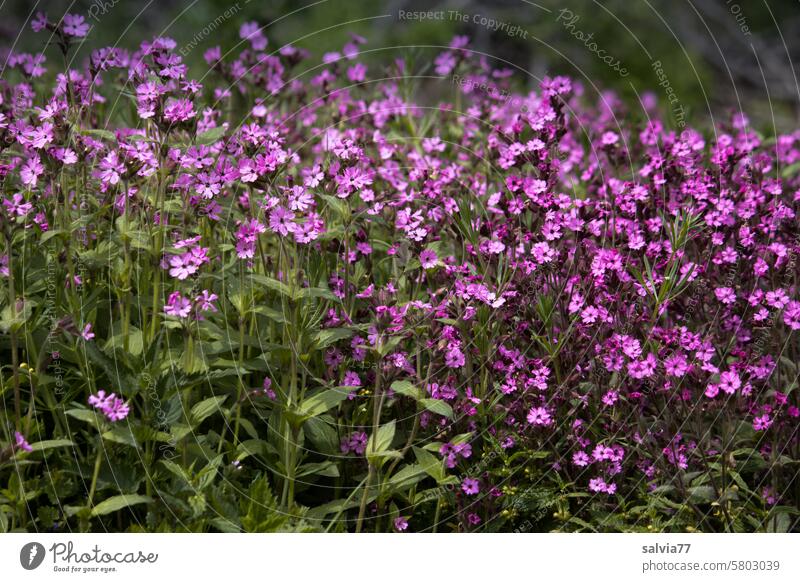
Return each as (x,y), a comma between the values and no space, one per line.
(75,25)
(252,31)
(454,358)
(112,406)
(205,301)
(729,382)
(470,486)
(178,306)
(17,205)
(21,443)
(539,416)
(762,422)
(400,523)
(355,443)
(87,334)
(31,171)
(280,221)
(725,295)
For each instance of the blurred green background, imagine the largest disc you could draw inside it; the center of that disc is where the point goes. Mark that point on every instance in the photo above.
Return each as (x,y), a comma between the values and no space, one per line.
(718,55)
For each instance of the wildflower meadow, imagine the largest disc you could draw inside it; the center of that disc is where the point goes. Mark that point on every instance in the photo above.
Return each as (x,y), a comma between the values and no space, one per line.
(305,292)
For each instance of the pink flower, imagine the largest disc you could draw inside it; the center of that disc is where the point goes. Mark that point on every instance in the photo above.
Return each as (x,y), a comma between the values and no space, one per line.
(31,171)
(21,443)
(112,406)
(729,382)
(470,486)
(539,416)
(676,365)
(178,306)
(610,397)
(182,266)
(427,259)
(280,221)
(355,443)
(205,301)
(17,205)
(400,524)
(252,31)
(454,358)
(580,459)
(791,315)
(75,25)
(762,422)
(87,334)
(725,295)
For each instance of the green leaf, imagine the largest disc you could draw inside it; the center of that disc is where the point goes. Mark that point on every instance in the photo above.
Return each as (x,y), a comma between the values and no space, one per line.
(437,406)
(273,284)
(432,465)
(121,435)
(702,493)
(406,388)
(206,408)
(99,134)
(317,292)
(52,444)
(326,337)
(85,415)
(324,469)
(379,443)
(322,435)
(210,136)
(322,402)
(407,476)
(118,502)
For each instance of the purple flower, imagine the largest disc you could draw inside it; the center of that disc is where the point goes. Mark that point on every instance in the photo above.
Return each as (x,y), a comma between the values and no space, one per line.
(539,416)
(112,406)
(17,205)
(725,295)
(205,301)
(470,486)
(400,524)
(762,422)
(454,358)
(252,31)
(21,443)
(31,171)
(178,306)
(87,334)
(75,25)
(280,221)
(427,259)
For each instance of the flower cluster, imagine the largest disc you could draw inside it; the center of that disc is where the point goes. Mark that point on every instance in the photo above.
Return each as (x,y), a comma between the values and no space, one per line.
(558,294)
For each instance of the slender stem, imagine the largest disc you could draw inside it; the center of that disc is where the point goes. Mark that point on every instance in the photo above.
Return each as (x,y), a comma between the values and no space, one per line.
(12,300)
